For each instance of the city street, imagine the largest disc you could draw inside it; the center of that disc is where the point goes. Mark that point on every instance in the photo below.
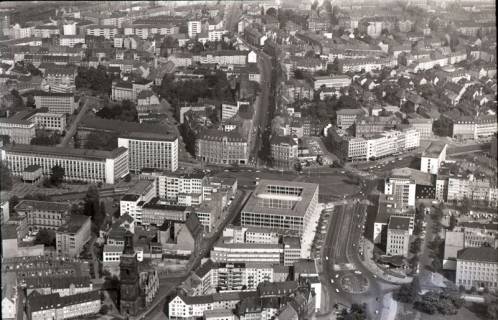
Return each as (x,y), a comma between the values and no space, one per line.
(340,257)
(89,101)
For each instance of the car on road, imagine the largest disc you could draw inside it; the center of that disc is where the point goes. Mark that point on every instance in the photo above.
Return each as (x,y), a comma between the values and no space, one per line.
(327,257)
(357,272)
(337,276)
(375,276)
(337,290)
(376,311)
(332,281)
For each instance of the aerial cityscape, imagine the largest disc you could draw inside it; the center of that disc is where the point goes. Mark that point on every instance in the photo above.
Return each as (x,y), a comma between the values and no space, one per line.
(249,160)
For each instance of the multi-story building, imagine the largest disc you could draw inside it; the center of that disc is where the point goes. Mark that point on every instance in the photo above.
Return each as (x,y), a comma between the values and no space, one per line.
(53,306)
(146,30)
(460,187)
(284,206)
(43,214)
(227,252)
(219,147)
(184,189)
(486,127)
(19,130)
(432,157)
(70,40)
(49,121)
(60,79)
(222,57)
(65,286)
(371,125)
(387,209)
(477,267)
(122,90)
(133,201)
(284,150)
(20,32)
(79,164)
(296,90)
(398,236)
(56,102)
(5,21)
(151,151)
(423,127)
(46,31)
(347,117)
(157,211)
(403,190)
(108,32)
(194,28)
(338,81)
(366,64)
(73,235)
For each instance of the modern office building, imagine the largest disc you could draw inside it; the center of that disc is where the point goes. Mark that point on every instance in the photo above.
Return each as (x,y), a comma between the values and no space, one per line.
(133,201)
(477,267)
(149,150)
(398,236)
(284,206)
(184,189)
(219,147)
(432,157)
(60,79)
(194,27)
(338,81)
(73,235)
(79,164)
(402,188)
(56,102)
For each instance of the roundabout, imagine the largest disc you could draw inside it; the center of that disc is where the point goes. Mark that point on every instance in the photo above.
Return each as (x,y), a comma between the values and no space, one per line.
(354,283)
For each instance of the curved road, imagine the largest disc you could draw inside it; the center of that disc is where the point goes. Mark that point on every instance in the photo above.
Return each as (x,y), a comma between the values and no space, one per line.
(341,251)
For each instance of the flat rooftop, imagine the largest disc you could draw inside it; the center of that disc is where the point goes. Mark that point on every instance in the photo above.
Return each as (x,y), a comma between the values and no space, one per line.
(277,197)
(434,149)
(399,223)
(420,178)
(64,152)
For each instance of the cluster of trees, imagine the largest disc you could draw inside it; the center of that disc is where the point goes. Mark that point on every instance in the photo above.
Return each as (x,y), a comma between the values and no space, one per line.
(126,111)
(11,100)
(46,138)
(92,207)
(214,86)
(95,79)
(102,141)
(5,177)
(45,237)
(56,177)
(445,302)
(356,312)
(286,15)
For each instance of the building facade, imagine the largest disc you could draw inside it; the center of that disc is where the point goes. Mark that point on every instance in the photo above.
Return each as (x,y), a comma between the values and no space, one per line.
(151,151)
(73,235)
(477,267)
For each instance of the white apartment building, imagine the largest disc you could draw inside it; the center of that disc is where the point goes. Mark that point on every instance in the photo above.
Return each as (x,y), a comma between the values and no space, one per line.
(338,81)
(18,32)
(175,187)
(148,150)
(56,102)
(79,164)
(433,156)
(226,252)
(108,32)
(50,121)
(402,189)
(194,28)
(133,201)
(222,57)
(228,111)
(146,30)
(193,307)
(216,35)
(485,127)
(70,41)
(477,267)
(398,236)
(111,255)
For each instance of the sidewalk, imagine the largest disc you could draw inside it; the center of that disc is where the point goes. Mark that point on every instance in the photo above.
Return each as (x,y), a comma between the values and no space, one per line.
(390,307)
(375,269)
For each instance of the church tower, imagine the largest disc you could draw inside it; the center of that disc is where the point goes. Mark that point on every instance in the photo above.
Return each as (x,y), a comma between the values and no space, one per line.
(129,279)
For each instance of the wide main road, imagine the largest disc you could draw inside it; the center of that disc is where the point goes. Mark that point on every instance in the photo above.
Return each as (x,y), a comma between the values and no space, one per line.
(340,258)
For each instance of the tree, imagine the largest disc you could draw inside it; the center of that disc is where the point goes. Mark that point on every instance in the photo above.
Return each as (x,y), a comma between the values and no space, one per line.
(406,293)
(271,12)
(45,237)
(91,205)
(45,138)
(466,205)
(102,141)
(57,175)
(126,111)
(453,222)
(436,264)
(5,177)
(314,5)
(356,312)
